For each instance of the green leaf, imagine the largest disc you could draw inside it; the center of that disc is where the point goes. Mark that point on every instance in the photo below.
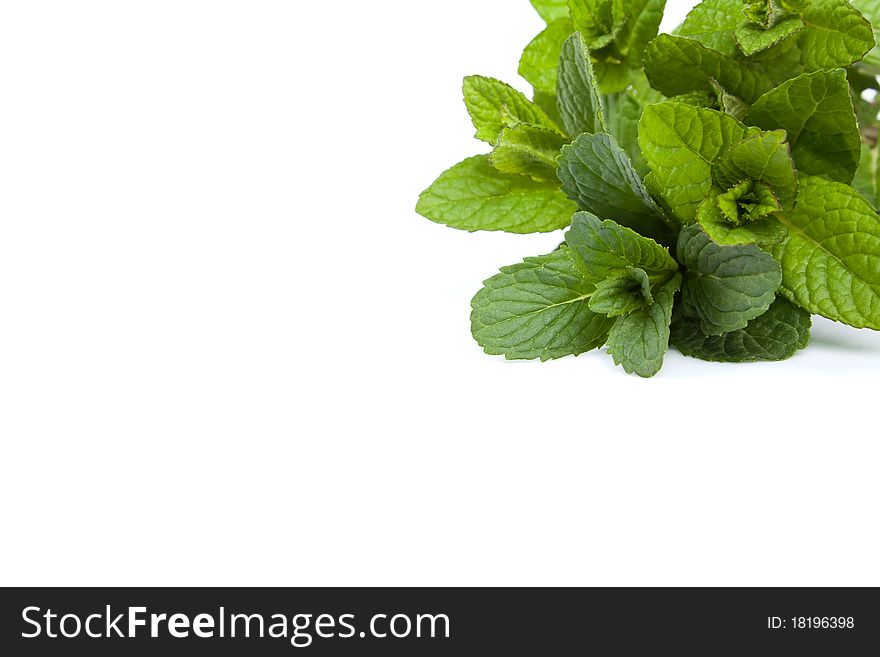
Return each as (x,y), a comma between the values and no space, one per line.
(638,341)
(763,233)
(776,335)
(598,176)
(678,65)
(644,21)
(836,34)
(682,144)
(551,10)
(752,39)
(725,286)
(870,9)
(747,202)
(538,309)
(594,19)
(580,103)
(763,157)
(528,150)
(831,259)
(622,293)
(473,196)
(713,23)
(494,105)
(539,64)
(614,76)
(816,110)
(605,248)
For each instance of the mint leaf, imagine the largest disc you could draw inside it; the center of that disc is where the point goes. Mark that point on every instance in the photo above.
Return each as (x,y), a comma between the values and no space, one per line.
(539,64)
(622,293)
(836,34)
(604,248)
(538,309)
(528,150)
(494,105)
(614,75)
(638,341)
(714,23)
(748,201)
(473,196)
(580,103)
(831,259)
(678,65)
(752,39)
(682,144)
(594,19)
(644,21)
(598,176)
(761,158)
(725,286)
(776,335)
(817,111)
(763,233)
(551,10)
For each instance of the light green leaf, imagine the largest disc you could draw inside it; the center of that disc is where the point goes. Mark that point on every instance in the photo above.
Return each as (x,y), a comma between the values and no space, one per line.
(598,176)
(604,248)
(638,341)
(614,76)
(682,144)
(765,158)
(776,335)
(748,201)
(713,23)
(644,21)
(763,233)
(528,150)
(539,64)
(538,309)
(580,103)
(836,34)
(551,10)
(473,196)
(494,105)
(831,259)
(753,39)
(781,62)
(622,293)
(725,286)
(678,65)
(816,110)
(594,19)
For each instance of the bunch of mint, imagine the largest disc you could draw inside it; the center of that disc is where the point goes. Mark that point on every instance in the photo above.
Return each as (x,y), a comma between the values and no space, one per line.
(719,185)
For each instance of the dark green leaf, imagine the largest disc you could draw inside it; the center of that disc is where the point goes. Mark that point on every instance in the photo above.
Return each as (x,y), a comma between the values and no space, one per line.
(725,286)
(776,335)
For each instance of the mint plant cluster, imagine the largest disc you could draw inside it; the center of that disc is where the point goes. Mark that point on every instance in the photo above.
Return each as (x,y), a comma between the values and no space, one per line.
(719,185)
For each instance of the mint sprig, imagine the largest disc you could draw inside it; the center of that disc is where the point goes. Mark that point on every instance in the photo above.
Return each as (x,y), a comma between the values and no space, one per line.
(720,184)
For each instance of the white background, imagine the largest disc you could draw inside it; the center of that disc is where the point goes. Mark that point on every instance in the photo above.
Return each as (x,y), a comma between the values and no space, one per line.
(231,353)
